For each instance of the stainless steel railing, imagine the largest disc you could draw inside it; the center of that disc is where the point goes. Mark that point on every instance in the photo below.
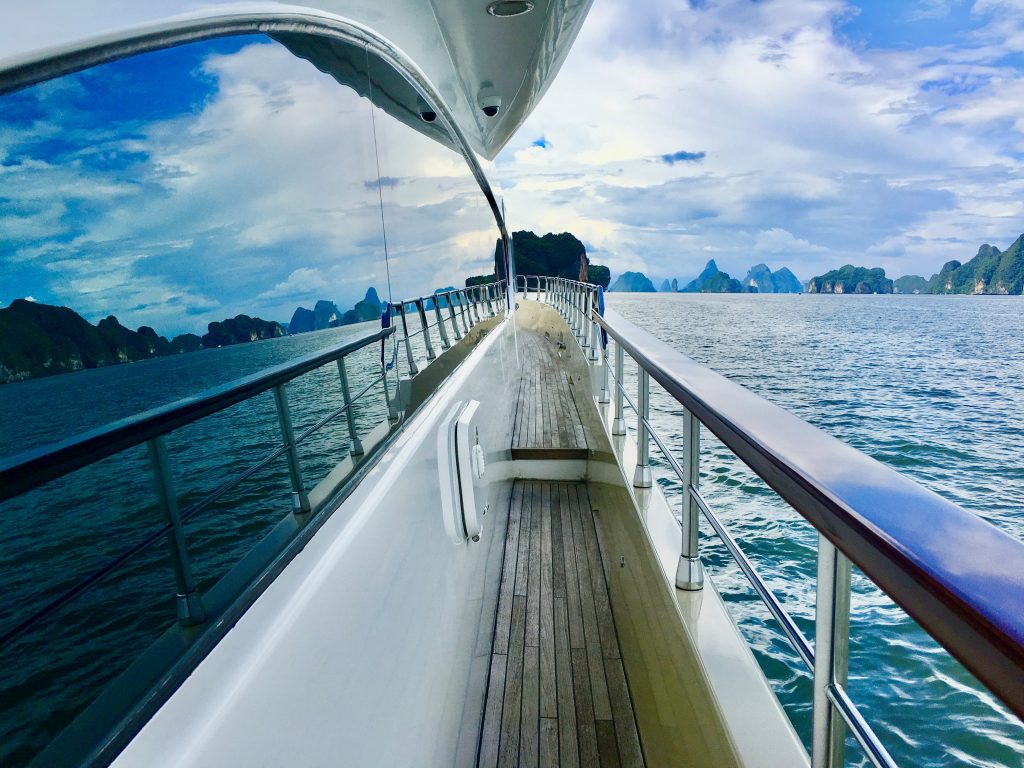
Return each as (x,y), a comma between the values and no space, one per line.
(465,308)
(972,604)
(29,470)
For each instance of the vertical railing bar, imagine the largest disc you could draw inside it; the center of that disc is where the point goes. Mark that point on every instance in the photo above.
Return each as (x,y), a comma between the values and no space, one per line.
(300,499)
(619,423)
(413,370)
(426,329)
(831,653)
(642,475)
(445,344)
(188,602)
(454,318)
(356,447)
(689,571)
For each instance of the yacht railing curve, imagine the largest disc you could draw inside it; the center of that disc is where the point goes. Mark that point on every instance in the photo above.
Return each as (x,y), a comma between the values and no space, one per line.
(957,575)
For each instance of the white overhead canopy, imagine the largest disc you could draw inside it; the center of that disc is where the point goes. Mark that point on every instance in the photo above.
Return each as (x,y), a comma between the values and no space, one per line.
(461,48)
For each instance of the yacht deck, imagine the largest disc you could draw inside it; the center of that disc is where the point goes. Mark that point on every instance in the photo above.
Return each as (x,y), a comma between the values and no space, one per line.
(546,419)
(557,691)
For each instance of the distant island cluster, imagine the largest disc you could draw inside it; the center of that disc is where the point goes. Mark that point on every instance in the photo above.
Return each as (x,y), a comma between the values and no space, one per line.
(990,272)
(38,339)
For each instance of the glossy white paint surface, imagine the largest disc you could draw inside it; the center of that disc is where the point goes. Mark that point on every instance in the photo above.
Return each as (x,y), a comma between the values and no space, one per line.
(458,45)
(370,648)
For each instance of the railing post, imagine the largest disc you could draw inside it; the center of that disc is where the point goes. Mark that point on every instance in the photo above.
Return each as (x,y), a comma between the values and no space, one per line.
(490,306)
(413,370)
(300,499)
(467,315)
(595,332)
(356,449)
(831,653)
(454,319)
(388,402)
(605,396)
(426,329)
(642,475)
(445,344)
(690,571)
(188,602)
(619,423)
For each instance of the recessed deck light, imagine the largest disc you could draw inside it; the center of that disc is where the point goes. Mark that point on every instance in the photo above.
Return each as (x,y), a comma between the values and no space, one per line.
(505,9)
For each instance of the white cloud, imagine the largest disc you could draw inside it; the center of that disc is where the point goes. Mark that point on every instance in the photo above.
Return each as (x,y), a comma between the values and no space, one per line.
(830,152)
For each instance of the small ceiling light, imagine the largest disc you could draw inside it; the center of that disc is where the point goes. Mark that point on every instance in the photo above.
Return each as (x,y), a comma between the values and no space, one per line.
(505,9)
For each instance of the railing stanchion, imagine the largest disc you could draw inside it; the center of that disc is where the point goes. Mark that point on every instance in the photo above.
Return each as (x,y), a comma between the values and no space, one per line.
(356,449)
(595,332)
(605,396)
(413,370)
(445,344)
(689,571)
(426,329)
(642,475)
(467,318)
(490,305)
(454,319)
(300,499)
(619,423)
(831,653)
(188,602)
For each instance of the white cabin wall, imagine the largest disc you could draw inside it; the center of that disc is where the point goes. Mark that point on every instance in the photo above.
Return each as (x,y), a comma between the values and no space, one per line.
(370,647)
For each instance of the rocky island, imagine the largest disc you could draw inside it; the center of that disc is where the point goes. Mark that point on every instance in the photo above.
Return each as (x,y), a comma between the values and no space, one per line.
(763,280)
(549,256)
(43,340)
(851,279)
(991,271)
(712,280)
(632,282)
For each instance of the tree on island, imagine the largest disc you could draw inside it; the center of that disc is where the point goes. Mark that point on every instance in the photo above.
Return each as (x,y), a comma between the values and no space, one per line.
(548,256)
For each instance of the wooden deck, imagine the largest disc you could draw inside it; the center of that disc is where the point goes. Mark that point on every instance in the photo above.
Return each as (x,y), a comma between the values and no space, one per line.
(557,692)
(546,420)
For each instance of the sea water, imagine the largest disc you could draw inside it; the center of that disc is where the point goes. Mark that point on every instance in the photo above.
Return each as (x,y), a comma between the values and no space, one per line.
(932,386)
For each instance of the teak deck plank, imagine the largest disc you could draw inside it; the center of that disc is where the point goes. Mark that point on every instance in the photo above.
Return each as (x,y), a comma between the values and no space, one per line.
(557,694)
(546,422)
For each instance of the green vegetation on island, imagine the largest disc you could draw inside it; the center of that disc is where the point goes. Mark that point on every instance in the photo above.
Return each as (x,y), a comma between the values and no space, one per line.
(549,256)
(763,280)
(991,271)
(909,284)
(42,340)
(713,280)
(851,279)
(632,282)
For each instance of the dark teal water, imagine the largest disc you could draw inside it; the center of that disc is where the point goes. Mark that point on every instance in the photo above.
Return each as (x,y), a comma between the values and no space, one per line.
(55,535)
(930,385)
(933,386)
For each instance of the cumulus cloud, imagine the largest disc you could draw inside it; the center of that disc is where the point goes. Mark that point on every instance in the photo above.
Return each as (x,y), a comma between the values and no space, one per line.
(259,194)
(816,143)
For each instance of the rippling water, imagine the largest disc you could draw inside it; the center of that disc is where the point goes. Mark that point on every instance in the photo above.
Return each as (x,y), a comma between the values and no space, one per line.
(933,386)
(930,385)
(55,535)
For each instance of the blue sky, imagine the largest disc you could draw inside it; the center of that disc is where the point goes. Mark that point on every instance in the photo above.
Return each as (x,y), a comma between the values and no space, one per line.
(189,185)
(799,133)
(804,134)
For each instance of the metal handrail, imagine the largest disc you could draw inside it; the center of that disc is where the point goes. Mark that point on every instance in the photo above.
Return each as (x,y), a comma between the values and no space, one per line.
(974,609)
(32,469)
(466,305)
(27,470)
(883,521)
